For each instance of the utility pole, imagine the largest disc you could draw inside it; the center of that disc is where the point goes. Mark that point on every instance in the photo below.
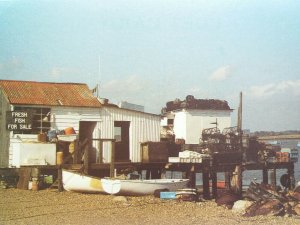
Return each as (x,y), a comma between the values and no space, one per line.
(238,169)
(240,113)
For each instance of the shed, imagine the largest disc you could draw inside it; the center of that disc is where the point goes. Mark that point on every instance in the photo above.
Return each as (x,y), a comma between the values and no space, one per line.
(57,106)
(189,117)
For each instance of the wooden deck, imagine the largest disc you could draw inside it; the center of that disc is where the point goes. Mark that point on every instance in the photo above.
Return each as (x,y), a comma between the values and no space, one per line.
(155,170)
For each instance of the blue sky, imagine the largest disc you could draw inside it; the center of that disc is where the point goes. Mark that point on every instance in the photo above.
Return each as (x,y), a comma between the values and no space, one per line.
(151,52)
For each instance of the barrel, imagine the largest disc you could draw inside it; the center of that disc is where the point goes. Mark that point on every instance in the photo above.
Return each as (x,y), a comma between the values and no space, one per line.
(69,130)
(59,158)
(35,185)
(42,137)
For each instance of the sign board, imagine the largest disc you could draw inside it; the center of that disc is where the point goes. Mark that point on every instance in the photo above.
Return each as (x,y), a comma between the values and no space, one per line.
(18,120)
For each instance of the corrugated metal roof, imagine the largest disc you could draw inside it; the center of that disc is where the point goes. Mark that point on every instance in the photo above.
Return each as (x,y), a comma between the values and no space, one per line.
(50,94)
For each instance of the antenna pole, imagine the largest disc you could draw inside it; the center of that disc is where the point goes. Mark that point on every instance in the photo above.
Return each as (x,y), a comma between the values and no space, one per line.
(240,112)
(99,74)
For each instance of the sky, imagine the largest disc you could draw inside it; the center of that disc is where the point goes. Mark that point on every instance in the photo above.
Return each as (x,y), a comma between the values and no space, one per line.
(152,52)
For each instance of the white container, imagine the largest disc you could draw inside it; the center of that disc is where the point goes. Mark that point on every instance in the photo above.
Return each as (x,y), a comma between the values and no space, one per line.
(174,159)
(31,154)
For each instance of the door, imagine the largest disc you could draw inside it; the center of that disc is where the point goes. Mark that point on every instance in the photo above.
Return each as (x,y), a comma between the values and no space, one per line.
(121,133)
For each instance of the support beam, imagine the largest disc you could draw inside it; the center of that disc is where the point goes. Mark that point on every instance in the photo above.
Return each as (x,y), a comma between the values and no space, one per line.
(112,159)
(273,178)
(86,159)
(214,179)
(291,174)
(205,181)
(59,179)
(100,157)
(265,175)
(191,174)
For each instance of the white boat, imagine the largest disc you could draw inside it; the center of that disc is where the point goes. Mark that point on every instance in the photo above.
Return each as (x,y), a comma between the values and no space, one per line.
(74,181)
(141,187)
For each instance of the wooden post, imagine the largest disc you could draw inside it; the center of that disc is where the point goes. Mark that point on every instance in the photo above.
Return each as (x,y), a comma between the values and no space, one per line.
(192,177)
(148,174)
(86,163)
(100,158)
(214,184)
(205,181)
(76,147)
(239,181)
(227,180)
(205,178)
(265,175)
(273,178)
(238,169)
(112,159)
(59,179)
(291,174)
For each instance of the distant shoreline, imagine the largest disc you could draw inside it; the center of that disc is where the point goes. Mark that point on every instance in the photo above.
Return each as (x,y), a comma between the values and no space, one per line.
(279,137)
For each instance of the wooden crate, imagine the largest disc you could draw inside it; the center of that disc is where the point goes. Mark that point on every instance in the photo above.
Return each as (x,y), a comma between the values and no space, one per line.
(227,158)
(282,157)
(154,152)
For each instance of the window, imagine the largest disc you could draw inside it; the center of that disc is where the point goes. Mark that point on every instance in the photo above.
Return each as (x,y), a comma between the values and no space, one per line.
(170,122)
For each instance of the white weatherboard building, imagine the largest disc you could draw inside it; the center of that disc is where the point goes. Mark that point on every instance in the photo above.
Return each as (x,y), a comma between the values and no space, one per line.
(188,121)
(57,106)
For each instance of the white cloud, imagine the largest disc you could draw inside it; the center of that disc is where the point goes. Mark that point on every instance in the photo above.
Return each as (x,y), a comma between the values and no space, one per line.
(132,89)
(131,84)
(221,73)
(55,72)
(59,72)
(267,90)
(12,64)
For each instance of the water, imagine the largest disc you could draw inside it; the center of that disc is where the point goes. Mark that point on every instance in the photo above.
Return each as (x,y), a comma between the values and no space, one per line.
(248,176)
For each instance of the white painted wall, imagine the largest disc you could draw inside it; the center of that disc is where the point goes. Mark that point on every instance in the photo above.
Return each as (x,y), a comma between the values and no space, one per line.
(188,124)
(143,127)
(61,118)
(180,125)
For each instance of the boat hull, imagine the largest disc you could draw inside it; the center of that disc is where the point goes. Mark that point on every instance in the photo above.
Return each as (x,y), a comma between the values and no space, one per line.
(141,187)
(73,181)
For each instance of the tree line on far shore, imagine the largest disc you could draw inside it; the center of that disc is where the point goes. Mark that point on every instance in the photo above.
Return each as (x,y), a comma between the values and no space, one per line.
(275,133)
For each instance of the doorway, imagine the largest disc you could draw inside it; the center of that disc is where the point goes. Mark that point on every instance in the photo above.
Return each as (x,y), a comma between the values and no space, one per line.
(121,133)
(86,130)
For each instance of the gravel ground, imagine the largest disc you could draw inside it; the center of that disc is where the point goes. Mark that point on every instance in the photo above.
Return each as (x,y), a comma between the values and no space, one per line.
(53,207)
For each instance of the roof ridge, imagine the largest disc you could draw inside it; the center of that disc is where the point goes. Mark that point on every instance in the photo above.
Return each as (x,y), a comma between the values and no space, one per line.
(31,81)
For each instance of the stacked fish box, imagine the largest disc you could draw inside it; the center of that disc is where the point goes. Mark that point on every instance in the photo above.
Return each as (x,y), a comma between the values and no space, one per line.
(293,153)
(282,157)
(188,156)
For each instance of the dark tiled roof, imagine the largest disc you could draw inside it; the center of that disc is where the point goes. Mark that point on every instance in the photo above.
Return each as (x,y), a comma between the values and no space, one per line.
(48,94)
